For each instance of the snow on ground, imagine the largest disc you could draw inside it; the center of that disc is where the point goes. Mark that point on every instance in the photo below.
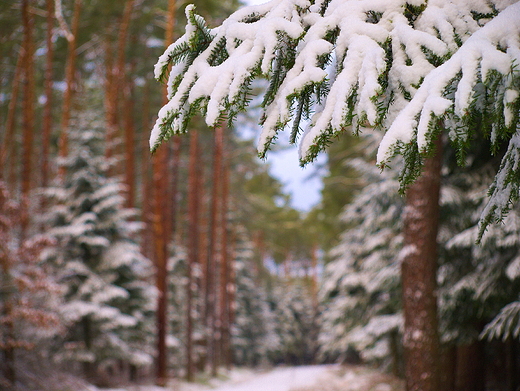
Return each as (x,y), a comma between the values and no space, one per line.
(304,378)
(281,379)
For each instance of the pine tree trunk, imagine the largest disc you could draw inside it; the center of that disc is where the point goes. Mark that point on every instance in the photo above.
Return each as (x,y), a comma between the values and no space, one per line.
(161,234)
(193,247)
(211,261)
(224,286)
(117,84)
(70,69)
(419,267)
(6,310)
(129,145)
(28,114)
(161,257)
(174,185)
(110,101)
(470,368)
(146,182)
(447,369)
(512,364)
(204,205)
(232,288)
(47,115)
(7,143)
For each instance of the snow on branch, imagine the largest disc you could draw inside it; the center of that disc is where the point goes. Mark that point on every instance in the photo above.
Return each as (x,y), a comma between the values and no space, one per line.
(490,53)
(477,87)
(505,188)
(412,67)
(346,61)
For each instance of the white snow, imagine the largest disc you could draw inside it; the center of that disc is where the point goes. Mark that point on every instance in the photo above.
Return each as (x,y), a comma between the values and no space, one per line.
(304,378)
(281,379)
(480,52)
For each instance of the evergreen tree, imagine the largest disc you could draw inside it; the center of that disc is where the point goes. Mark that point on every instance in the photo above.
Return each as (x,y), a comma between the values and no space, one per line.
(254,338)
(29,299)
(360,294)
(295,322)
(108,301)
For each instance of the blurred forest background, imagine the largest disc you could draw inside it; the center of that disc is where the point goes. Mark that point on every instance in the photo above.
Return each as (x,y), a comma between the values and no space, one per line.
(119,266)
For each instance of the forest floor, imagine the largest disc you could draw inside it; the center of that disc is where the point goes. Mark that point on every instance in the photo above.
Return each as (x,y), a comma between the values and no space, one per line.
(304,378)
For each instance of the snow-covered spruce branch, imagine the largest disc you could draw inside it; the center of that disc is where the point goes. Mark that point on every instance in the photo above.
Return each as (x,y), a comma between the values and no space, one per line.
(505,189)
(397,64)
(477,87)
(346,62)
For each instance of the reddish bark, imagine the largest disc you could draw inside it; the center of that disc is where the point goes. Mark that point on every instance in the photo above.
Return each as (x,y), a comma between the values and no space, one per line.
(116,83)
(174,185)
(7,145)
(419,267)
(161,231)
(193,246)
(146,207)
(211,260)
(70,69)
(225,275)
(129,145)
(27,114)
(161,258)
(110,102)
(448,357)
(47,113)
(470,368)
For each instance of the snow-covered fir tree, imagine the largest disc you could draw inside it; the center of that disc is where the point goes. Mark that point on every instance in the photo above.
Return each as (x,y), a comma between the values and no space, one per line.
(360,294)
(253,334)
(108,302)
(29,299)
(478,282)
(177,291)
(296,323)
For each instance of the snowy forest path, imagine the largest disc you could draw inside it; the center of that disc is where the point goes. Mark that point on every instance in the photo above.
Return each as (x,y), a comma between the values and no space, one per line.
(301,378)
(306,378)
(282,379)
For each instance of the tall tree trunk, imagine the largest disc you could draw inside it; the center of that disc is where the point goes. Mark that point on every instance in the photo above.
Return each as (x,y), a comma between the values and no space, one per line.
(110,101)
(161,234)
(512,364)
(211,267)
(130,147)
(7,143)
(419,267)
(232,288)
(47,114)
(6,307)
(204,207)
(28,114)
(174,185)
(225,275)
(146,181)
(193,247)
(448,366)
(470,368)
(70,69)
(116,82)
(161,260)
